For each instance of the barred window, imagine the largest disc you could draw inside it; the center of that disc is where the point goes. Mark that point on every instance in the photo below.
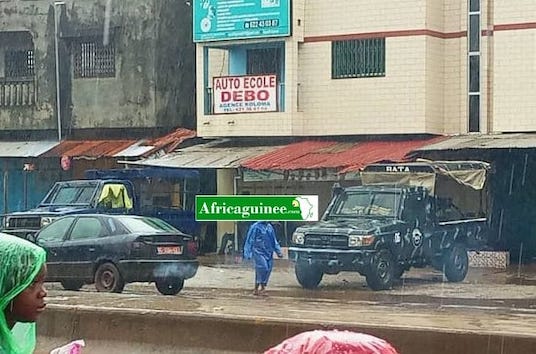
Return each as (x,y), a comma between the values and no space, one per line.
(93,59)
(263,61)
(19,64)
(358,58)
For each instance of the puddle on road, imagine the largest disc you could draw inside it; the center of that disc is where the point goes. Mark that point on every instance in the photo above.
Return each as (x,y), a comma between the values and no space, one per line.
(520,280)
(521,274)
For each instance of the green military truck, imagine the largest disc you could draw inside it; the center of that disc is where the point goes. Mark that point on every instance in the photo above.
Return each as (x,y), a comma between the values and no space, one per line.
(403,215)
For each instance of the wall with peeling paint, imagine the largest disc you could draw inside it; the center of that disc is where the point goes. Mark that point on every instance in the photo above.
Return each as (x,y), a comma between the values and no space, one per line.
(153,85)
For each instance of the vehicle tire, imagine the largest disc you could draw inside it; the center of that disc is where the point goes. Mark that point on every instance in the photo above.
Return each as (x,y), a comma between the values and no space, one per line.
(456,263)
(73,285)
(169,286)
(308,275)
(382,271)
(108,279)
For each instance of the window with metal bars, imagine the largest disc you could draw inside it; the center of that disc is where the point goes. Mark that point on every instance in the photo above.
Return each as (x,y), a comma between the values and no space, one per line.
(93,59)
(263,61)
(358,58)
(19,64)
(474,34)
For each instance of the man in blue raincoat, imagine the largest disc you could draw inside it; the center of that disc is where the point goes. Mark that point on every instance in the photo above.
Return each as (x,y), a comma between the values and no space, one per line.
(260,246)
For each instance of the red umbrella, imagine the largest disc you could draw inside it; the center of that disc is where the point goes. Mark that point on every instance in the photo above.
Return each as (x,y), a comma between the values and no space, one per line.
(332,342)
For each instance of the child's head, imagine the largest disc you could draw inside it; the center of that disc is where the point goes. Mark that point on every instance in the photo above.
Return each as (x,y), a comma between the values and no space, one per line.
(22,291)
(30,303)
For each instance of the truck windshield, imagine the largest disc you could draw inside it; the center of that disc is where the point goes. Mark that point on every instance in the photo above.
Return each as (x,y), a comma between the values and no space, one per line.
(69,195)
(366,204)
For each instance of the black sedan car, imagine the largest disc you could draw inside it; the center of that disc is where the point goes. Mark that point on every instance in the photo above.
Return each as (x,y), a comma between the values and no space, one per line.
(113,250)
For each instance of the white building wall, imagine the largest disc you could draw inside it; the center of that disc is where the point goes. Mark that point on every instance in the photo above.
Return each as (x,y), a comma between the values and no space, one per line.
(425,86)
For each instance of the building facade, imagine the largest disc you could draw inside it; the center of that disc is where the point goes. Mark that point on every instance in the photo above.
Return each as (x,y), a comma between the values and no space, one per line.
(372,67)
(83,67)
(351,71)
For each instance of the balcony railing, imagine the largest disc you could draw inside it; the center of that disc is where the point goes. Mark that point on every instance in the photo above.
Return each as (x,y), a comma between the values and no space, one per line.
(17,92)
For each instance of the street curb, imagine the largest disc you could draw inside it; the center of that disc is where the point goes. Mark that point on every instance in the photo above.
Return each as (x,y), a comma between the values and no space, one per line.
(254,334)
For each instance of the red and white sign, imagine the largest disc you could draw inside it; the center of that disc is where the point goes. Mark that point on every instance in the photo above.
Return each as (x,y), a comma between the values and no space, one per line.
(245,94)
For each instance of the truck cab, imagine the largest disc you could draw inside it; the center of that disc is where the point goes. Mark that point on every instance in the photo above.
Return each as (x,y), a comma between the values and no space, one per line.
(168,194)
(399,218)
(73,197)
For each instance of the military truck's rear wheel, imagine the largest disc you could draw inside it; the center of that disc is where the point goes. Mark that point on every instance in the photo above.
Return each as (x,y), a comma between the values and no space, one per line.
(308,275)
(382,271)
(456,263)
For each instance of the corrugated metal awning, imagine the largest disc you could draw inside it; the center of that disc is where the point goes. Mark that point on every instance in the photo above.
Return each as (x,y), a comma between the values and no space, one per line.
(90,149)
(136,150)
(166,143)
(25,148)
(494,141)
(220,154)
(171,141)
(344,157)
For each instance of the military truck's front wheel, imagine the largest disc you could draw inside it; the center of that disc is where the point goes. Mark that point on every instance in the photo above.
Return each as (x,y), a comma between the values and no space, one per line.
(456,263)
(308,275)
(381,274)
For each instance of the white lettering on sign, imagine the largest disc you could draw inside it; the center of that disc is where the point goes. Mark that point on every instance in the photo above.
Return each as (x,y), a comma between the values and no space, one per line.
(245,94)
(397,169)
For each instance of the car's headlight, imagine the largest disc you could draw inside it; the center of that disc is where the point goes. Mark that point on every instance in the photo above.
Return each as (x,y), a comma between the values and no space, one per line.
(6,223)
(46,220)
(298,238)
(360,241)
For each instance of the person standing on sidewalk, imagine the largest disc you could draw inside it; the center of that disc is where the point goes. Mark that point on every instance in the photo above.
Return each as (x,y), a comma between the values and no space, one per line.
(260,245)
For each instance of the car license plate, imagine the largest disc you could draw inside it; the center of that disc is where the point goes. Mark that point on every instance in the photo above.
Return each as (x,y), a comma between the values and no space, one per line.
(169,250)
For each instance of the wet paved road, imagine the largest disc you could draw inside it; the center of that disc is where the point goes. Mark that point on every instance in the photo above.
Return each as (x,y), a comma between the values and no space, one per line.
(488,302)
(225,290)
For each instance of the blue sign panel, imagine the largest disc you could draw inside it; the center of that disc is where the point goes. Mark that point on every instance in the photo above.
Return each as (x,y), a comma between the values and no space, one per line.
(218,20)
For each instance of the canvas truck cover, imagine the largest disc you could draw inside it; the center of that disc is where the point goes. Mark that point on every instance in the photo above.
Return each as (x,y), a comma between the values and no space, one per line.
(425,173)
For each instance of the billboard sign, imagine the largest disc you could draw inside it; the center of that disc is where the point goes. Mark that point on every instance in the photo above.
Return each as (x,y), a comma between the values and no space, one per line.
(245,94)
(256,207)
(218,20)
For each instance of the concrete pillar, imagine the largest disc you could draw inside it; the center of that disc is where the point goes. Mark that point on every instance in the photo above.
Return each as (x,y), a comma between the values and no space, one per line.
(225,186)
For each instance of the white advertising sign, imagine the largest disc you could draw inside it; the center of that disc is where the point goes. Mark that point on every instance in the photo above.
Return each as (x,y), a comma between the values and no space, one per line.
(245,94)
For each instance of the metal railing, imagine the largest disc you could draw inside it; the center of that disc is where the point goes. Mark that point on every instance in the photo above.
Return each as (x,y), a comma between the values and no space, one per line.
(17,92)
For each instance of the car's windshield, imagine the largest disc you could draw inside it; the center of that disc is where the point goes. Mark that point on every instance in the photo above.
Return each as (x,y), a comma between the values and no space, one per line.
(366,204)
(72,194)
(146,225)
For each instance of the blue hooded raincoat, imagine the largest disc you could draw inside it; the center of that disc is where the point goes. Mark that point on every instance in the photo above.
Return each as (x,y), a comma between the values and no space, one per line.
(260,246)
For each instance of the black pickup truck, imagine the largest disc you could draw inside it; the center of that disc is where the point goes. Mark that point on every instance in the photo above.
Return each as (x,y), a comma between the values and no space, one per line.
(404,215)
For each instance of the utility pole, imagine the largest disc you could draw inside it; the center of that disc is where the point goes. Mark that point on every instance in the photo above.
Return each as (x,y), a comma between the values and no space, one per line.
(57,49)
